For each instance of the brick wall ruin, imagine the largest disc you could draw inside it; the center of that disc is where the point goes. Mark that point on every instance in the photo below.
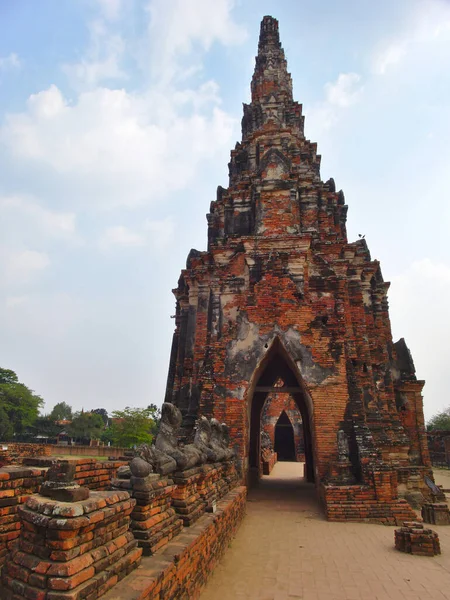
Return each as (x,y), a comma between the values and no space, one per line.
(14,453)
(17,483)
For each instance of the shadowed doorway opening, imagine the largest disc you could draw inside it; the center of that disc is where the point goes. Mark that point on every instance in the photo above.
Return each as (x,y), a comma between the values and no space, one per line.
(284,439)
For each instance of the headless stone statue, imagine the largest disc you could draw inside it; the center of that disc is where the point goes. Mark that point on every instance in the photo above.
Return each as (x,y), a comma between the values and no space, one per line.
(161,462)
(216,440)
(226,442)
(186,457)
(343,449)
(202,439)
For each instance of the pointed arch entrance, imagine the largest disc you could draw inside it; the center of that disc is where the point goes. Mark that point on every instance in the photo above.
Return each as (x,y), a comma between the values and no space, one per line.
(284,444)
(277,364)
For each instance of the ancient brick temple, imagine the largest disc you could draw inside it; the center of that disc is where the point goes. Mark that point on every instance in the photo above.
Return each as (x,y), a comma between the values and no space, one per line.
(282,295)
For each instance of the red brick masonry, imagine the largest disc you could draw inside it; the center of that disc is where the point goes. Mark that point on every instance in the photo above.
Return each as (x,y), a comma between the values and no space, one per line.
(182,568)
(71,551)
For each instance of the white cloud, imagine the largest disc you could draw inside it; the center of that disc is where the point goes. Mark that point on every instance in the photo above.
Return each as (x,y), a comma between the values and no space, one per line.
(418,300)
(160,233)
(13,301)
(118,148)
(157,234)
(430,24)
(57,224)
(391,55)
(21,266)
(176,27)
(120,236)
(101,61)
(10,62)
(111,9)
(345,91)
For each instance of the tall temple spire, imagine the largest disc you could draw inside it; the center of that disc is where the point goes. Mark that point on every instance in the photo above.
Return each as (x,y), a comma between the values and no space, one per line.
(281,293)
(270,76)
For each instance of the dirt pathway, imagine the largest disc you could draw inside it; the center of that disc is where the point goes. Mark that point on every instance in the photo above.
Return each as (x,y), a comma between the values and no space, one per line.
(286,549)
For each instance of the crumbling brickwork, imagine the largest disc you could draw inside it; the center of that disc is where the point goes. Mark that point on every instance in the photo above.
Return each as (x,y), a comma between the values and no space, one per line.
(16,485)
(14,453)
(280,292)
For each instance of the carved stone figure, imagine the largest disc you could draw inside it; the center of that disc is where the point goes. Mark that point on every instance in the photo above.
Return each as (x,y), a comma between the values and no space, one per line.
(185,457)
(140,467)
(216,440)
(226,442)
(202,439)
(343,449)
(161,462)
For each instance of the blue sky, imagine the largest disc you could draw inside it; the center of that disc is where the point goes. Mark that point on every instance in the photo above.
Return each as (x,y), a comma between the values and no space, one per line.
(116,122)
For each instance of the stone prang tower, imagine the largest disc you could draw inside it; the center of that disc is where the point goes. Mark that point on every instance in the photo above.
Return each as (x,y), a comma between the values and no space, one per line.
(282,295)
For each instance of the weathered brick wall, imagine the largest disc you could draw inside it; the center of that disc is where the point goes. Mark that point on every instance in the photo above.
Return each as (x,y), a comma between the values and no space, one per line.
(16,485)
(275,404)
(91,473)
(188,560)
(14,453)
(79,450)
(378,503)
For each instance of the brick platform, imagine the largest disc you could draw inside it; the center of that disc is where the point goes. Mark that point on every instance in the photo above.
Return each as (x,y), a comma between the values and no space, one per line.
(412,538)
(71,551)
(360,503)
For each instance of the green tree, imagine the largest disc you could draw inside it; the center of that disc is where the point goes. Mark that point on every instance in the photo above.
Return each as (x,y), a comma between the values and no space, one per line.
(85,426)
(61,412)
(440,421)
(6,429)
(103,413)
(155,413)
(131,426)
(45,426)
(19,403)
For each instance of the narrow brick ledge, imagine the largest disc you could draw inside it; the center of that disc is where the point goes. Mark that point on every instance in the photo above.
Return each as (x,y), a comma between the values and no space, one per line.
(182,568)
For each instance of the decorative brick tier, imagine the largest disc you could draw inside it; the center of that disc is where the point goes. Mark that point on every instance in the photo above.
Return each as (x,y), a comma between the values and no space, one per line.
(206,486)
(16,484)
(230,473)
(360,503)
(414,539)
(182,568)
(153,521)
(220,483)
(71,551)
(186,500)
(91,473)
(436,513)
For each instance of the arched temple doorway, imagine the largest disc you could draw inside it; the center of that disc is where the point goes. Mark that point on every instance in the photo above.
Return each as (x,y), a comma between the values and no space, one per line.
(277,365)
(284,444)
